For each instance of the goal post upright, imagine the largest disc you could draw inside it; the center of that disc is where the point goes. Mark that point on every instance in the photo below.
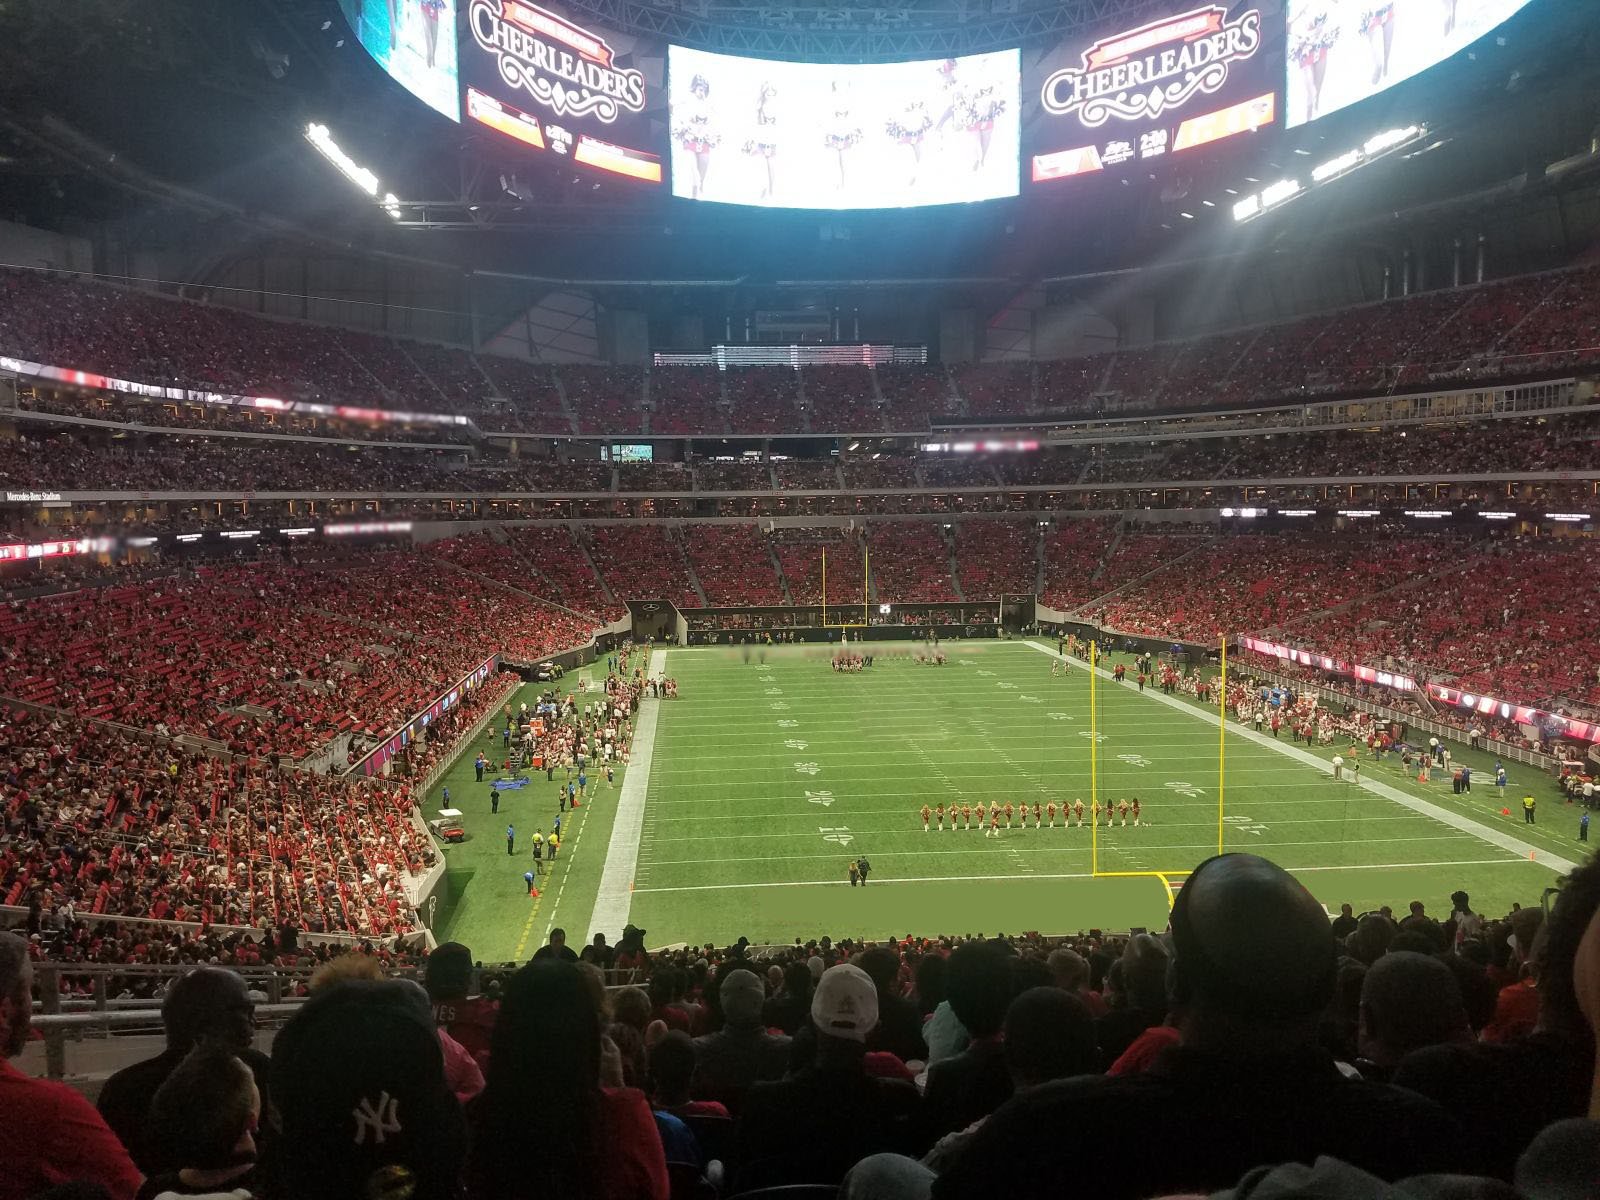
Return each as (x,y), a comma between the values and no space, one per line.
(1222,741)
(1094,765)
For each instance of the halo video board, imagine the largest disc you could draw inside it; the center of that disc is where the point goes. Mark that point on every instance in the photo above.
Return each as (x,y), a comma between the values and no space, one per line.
(815,135)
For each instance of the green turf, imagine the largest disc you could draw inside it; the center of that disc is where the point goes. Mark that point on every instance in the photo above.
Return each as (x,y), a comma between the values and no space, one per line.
(490,909)
(767,777)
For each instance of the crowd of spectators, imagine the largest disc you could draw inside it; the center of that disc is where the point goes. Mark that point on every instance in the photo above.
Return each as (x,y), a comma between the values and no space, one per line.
(910,562)
(1506,328)
(643,562)
(101,821)
(843,398)
(997,558)
(1254,1048)
(274,656)
(733,564)
(1073,553)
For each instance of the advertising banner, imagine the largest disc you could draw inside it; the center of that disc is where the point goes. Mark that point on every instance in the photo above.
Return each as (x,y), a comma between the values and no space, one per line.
(1121,99)
(555,85)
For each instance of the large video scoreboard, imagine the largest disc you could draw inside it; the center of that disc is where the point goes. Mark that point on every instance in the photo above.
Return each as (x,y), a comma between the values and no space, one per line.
(804,135)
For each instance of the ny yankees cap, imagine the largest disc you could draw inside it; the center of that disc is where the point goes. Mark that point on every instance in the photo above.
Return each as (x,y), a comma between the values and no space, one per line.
(364,1109)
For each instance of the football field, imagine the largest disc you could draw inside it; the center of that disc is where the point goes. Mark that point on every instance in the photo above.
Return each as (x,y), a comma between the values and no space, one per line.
(758,785)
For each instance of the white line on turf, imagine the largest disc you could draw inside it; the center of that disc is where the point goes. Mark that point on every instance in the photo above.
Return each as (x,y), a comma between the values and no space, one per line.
(945,849)
(614,898)
(1443,815)
(722,887)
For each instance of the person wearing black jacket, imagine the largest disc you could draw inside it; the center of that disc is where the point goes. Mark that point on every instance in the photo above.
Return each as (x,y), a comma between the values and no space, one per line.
(207,1005)
(1253,972)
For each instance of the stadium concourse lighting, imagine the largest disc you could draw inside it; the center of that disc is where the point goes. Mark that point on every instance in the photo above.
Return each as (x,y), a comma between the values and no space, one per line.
(320,137)
(1498,516)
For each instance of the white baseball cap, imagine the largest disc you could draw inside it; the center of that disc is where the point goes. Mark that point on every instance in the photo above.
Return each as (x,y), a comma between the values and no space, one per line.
(845,1003)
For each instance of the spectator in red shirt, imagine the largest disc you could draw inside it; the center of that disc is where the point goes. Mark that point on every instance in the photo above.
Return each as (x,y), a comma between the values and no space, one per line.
(467,1019)
(49,1134)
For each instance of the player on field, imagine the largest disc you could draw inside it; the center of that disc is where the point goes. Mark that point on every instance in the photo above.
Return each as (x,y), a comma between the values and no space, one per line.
(1122,811)
(1134,808)
(1051,809)
(1009,811)
(927,815)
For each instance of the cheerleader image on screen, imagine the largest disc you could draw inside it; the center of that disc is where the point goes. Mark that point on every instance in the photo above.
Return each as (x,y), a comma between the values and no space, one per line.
(909,128)
(1377,26)
(1311,35)
(763,141)
(694,131)
(971,107)
(843,131)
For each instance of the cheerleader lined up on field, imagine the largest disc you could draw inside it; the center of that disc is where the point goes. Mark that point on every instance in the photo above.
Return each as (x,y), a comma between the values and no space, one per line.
(989,816)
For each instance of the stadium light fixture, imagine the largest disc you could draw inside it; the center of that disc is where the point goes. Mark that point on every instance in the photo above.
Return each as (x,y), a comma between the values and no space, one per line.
(1248,207)
(1347,161)
(1277,193)
(320,137)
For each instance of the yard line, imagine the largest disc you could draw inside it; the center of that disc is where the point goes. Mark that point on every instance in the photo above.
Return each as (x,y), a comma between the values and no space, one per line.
(890,881)
(1443,815)
(1164,846)
(613,899)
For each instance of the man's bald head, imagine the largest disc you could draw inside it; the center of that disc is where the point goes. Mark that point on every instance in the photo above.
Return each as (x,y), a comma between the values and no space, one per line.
(1251,942)
(208,1003)
(1409,1001)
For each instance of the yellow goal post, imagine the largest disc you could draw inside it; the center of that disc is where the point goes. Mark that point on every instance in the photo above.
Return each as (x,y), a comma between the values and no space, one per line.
(866,584)
(1166,877)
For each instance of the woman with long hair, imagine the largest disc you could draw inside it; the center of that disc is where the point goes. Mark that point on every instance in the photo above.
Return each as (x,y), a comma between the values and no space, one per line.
(544,1126)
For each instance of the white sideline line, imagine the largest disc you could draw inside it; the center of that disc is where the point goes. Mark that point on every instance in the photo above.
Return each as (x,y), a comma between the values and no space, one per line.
(724,887)
(614,897)
(1443,815)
